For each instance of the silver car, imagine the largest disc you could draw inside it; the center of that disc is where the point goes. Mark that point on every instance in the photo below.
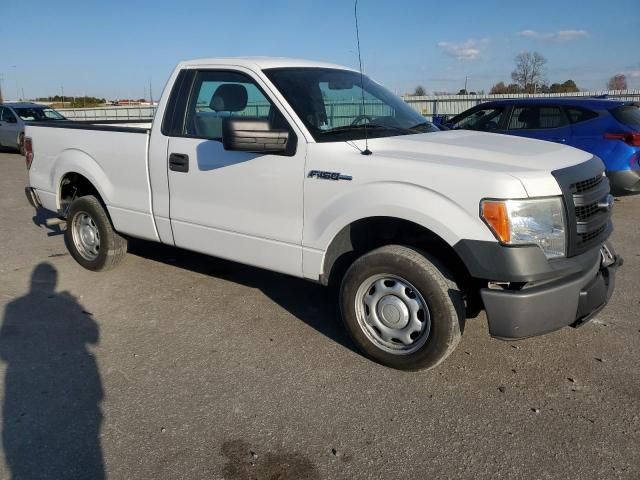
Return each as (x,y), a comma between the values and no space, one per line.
(14,115)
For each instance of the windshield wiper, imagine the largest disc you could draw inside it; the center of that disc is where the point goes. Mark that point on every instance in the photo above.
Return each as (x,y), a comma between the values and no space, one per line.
(420,125)
(363,126)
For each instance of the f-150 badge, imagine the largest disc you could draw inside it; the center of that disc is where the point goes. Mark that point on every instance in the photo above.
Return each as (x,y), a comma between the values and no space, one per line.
(322,175)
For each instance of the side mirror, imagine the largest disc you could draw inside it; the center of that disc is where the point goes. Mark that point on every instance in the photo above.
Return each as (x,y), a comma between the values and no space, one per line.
(244,134)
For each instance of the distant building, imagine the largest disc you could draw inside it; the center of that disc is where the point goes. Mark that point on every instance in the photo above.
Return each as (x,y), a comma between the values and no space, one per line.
(129,103)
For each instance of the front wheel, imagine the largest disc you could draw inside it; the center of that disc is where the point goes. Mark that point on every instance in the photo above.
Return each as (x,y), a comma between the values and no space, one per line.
(90,237)
(402,308)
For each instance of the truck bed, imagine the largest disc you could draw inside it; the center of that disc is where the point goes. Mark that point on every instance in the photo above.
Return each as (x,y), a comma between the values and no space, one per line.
(112,157)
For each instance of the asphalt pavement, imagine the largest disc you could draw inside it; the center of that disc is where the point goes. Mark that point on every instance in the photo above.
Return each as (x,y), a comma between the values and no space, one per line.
(181,366)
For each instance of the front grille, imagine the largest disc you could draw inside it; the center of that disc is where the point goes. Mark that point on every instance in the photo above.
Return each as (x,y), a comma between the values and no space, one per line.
(589,236)
(588,184)
(583,187)
(587,211)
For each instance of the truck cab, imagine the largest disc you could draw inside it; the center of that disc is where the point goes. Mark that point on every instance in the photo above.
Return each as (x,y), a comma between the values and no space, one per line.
(316,171)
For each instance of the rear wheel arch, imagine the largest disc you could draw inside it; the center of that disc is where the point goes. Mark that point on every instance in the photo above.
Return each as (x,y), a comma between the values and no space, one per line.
(74,185)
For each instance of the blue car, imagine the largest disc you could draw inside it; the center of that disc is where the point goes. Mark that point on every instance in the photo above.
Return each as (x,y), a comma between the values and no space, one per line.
(607,128)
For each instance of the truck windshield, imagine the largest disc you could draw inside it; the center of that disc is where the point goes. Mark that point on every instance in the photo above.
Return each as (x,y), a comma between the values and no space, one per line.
(329,102)
(38,114)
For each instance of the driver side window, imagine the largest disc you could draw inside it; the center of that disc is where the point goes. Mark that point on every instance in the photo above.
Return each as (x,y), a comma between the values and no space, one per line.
(485,120)
(217,95)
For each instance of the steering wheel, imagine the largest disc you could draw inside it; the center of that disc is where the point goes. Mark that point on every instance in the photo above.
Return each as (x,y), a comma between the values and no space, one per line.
(360,118)
(490,126)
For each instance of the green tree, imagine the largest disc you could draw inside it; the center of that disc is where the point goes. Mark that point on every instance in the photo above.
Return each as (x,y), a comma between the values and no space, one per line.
(570,86)
(498,88)
(419,91)
(555,88)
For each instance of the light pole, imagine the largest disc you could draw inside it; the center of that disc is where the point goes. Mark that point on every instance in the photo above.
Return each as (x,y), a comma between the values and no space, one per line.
(466,78)
(15,72)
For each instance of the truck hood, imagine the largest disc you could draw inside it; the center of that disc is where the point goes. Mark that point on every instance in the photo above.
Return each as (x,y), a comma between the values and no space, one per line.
(530,161)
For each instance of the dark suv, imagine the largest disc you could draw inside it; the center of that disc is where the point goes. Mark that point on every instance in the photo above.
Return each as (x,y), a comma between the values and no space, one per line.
(609,129)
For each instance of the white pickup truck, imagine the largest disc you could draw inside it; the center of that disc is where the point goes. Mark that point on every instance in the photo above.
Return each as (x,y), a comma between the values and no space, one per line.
(315,171)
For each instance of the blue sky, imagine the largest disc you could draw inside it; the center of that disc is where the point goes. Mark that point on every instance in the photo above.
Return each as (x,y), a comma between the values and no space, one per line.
(113,49)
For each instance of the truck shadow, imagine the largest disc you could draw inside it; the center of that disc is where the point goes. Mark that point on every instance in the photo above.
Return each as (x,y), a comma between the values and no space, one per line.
(40,220)
(311,303)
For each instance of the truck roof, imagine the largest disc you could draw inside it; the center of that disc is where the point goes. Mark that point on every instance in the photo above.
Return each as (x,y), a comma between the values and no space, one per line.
(22,104)
(587,102)
(261,63)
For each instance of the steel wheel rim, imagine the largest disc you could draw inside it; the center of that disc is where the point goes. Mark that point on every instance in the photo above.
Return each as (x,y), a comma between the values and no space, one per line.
(86,236)
(393,314)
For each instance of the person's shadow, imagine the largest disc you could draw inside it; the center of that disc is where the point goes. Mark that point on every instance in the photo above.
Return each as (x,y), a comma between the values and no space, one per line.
(52,392)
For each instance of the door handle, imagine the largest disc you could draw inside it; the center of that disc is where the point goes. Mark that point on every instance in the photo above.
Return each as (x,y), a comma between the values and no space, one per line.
(179,162)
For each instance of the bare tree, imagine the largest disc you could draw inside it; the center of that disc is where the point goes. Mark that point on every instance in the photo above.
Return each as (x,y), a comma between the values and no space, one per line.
(529,70)
(617,82)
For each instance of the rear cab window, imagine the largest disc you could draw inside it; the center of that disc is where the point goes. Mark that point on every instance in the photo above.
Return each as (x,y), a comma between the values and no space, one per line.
(628,115)
(537,118)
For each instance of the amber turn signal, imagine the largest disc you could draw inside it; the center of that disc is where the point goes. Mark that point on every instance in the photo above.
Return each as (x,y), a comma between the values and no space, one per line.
(495,214)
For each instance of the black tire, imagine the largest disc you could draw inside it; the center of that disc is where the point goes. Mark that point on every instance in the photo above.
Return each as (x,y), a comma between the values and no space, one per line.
(112,247)
(436,287)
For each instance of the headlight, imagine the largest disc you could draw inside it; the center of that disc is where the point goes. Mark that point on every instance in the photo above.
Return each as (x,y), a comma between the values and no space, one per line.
(536,221)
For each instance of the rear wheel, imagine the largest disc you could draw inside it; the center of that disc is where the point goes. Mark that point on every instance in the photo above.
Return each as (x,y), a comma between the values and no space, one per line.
(402,308)
(90,237)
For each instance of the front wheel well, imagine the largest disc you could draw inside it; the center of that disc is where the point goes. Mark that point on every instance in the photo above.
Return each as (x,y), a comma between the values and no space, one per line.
(367,234)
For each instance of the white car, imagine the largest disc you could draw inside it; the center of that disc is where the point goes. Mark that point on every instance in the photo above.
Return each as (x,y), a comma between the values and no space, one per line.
(13,117)
(313,170)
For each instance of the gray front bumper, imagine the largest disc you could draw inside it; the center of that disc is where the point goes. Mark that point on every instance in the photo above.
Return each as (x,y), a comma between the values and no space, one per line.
(540,309)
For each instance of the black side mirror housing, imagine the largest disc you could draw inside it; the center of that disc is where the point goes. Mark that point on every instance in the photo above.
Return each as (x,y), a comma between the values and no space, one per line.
(255,135)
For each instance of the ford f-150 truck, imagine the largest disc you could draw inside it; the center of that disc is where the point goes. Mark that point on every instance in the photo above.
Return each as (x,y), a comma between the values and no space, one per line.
(317,171)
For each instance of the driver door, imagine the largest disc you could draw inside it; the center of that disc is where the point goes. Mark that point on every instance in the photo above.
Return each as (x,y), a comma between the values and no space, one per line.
(237,205)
